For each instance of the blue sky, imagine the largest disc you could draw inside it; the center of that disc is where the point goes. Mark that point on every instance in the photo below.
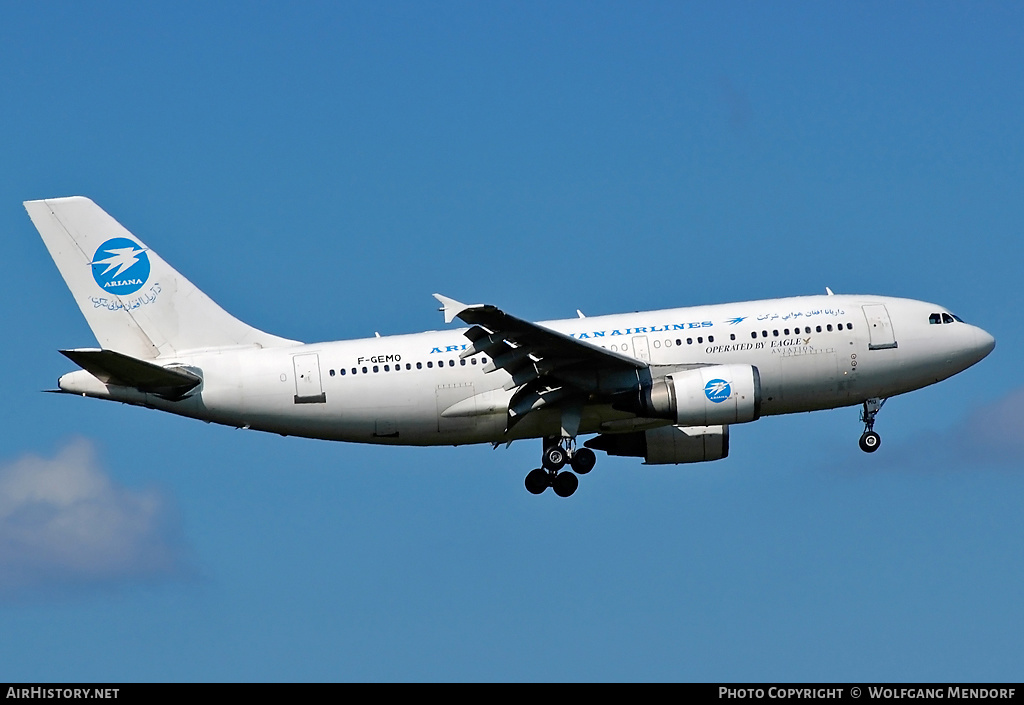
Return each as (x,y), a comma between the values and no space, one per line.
(321,169)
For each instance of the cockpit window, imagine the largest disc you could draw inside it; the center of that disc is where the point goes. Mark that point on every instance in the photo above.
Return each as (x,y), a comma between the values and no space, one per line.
(946,318)
(935,318)
(957,318)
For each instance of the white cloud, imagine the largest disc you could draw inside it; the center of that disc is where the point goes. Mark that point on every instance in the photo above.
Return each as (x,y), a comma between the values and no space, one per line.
(64,522)
(996,431)
(991,435)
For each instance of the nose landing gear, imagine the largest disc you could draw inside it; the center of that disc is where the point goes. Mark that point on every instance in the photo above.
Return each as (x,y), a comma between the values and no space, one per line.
(555,457)
(869,440)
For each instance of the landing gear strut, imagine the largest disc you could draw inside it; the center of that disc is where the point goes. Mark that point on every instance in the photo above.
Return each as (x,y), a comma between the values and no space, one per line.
(555,457)
(869,440)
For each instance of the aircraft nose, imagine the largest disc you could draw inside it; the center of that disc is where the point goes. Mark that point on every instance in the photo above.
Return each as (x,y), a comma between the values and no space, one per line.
(984,343)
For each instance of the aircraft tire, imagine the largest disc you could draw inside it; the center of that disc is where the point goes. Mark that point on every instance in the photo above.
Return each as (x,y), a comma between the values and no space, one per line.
(870,441)
(565,484)
(583,461)
(537,481)
(554,458)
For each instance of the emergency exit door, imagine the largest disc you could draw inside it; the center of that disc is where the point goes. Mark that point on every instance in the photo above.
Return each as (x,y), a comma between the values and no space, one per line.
(641,349)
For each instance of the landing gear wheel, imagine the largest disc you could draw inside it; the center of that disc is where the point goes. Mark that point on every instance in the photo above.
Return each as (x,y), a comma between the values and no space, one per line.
(554,458)
(870,441)
(537,481)
(565,484)
(583,461)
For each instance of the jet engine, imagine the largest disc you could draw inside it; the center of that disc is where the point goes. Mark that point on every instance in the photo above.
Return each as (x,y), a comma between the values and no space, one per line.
(703,396)
(667,444)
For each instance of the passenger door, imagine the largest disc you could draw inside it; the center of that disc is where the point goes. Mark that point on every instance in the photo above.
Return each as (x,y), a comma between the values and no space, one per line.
(308,387)
(880,332)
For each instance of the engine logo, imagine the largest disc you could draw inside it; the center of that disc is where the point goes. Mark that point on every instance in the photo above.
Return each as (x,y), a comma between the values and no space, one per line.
(120,266)
(717,390)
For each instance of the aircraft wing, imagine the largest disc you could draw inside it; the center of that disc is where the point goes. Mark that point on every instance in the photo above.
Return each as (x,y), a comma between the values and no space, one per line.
(550,368)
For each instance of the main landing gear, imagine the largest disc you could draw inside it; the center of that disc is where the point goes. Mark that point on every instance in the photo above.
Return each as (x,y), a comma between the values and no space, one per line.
(555,457)
(869,440)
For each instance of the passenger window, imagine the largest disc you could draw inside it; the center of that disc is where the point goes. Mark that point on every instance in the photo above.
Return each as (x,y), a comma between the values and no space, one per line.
(473,360)
(700,340)
(786,332)
(462,362)
(753,334)
(817,328)
(430,364)
(387,368)
(679,341)
(332,373)
(376,368)
(732,336)
(689,341)
(775,333)
(419,365)
(764,334)
(451,363)
(342,371)
(946,318)
(408,366)
(829,327)
(364,370)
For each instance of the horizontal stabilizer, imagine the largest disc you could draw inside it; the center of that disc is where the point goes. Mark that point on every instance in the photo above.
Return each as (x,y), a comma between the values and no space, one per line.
(115,368)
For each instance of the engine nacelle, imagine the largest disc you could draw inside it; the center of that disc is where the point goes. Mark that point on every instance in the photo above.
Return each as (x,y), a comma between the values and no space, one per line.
(704,396)
(667,444)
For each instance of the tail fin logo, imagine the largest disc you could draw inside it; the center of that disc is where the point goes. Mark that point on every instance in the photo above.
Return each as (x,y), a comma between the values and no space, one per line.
(120,266)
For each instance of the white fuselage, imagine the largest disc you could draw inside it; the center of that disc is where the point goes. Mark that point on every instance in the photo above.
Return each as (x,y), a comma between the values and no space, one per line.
(814,352)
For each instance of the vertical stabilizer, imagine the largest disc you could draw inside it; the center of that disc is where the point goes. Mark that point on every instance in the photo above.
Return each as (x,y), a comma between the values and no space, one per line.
(134,302)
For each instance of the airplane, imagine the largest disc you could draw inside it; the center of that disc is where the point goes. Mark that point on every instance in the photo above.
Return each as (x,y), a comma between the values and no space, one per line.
(664,386)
